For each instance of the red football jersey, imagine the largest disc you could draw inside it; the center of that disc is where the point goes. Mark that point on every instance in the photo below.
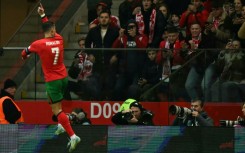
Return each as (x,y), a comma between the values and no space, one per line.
(51,53)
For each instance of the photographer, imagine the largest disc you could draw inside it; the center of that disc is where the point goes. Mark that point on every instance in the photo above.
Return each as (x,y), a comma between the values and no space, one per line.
(77,116)
(240,122)
(195,116)
(135,115)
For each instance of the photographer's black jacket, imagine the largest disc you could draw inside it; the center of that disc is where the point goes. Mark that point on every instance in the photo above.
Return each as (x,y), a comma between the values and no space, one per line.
(9,109)
(202,120)
(146,119)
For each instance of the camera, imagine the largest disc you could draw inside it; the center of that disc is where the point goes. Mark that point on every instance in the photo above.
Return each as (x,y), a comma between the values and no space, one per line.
(230,123)
(180,111)
(128,116)
(72,117)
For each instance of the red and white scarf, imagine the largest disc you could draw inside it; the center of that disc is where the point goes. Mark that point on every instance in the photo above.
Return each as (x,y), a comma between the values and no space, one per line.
(141,25)
(85,65)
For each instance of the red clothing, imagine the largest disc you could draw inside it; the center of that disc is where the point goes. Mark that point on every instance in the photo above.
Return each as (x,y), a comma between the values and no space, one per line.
(199,17)
(141,41)
(50,51)
(177,59)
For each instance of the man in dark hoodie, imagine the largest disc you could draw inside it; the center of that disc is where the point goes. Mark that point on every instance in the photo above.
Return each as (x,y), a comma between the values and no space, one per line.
(10,113)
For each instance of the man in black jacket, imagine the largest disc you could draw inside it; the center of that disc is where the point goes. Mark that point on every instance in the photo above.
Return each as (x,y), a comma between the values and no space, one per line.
(136,115)
(103,36)
(10,113)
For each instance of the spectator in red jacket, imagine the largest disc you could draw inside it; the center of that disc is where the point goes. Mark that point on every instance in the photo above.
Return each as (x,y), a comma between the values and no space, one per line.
(169,57)
(194,13)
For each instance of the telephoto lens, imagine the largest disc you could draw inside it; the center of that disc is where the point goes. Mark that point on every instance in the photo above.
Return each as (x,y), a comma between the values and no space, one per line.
(228,123)
(181,111)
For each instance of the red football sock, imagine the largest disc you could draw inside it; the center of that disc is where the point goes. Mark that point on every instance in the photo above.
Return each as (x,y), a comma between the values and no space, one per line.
(64,121)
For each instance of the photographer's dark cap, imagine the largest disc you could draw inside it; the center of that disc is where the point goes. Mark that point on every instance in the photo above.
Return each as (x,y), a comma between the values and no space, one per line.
(136,104)
(9,83)
(77,110)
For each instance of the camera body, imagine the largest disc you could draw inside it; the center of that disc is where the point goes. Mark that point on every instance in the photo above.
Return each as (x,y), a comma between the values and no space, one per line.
(230,123)
(144,115)
(72,117)
(128,116)
(180,111)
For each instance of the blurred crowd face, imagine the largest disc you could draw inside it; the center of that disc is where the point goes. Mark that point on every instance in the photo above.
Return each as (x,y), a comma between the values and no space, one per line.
(196,3)
(238,5)
(175,18)
(195,30)
(152,55)
(164,10)
(104,19)
(233,45)
(243,109)
(81,43)
(131,27)
(236,44)
(172,37)
(243,11)
(99,9)
(192,7)
(217,12)
(11,90)
(146,4)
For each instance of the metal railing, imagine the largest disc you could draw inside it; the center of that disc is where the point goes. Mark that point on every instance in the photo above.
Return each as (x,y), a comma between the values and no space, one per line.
(116,81)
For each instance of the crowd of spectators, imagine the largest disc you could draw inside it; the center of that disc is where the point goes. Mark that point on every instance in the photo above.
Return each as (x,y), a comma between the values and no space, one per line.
(184,50)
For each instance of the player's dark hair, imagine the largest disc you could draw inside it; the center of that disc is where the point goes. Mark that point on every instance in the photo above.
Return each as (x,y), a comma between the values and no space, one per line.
(46,26)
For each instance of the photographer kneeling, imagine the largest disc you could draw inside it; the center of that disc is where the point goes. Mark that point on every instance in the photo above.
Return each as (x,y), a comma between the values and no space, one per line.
(135,115)
(195,116)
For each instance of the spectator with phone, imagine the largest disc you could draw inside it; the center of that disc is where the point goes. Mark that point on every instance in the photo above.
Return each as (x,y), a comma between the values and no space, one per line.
(130,61)
(230,85)
(218,25)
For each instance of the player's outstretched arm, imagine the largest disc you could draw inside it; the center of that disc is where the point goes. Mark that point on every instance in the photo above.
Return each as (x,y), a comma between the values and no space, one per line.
(41,12)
